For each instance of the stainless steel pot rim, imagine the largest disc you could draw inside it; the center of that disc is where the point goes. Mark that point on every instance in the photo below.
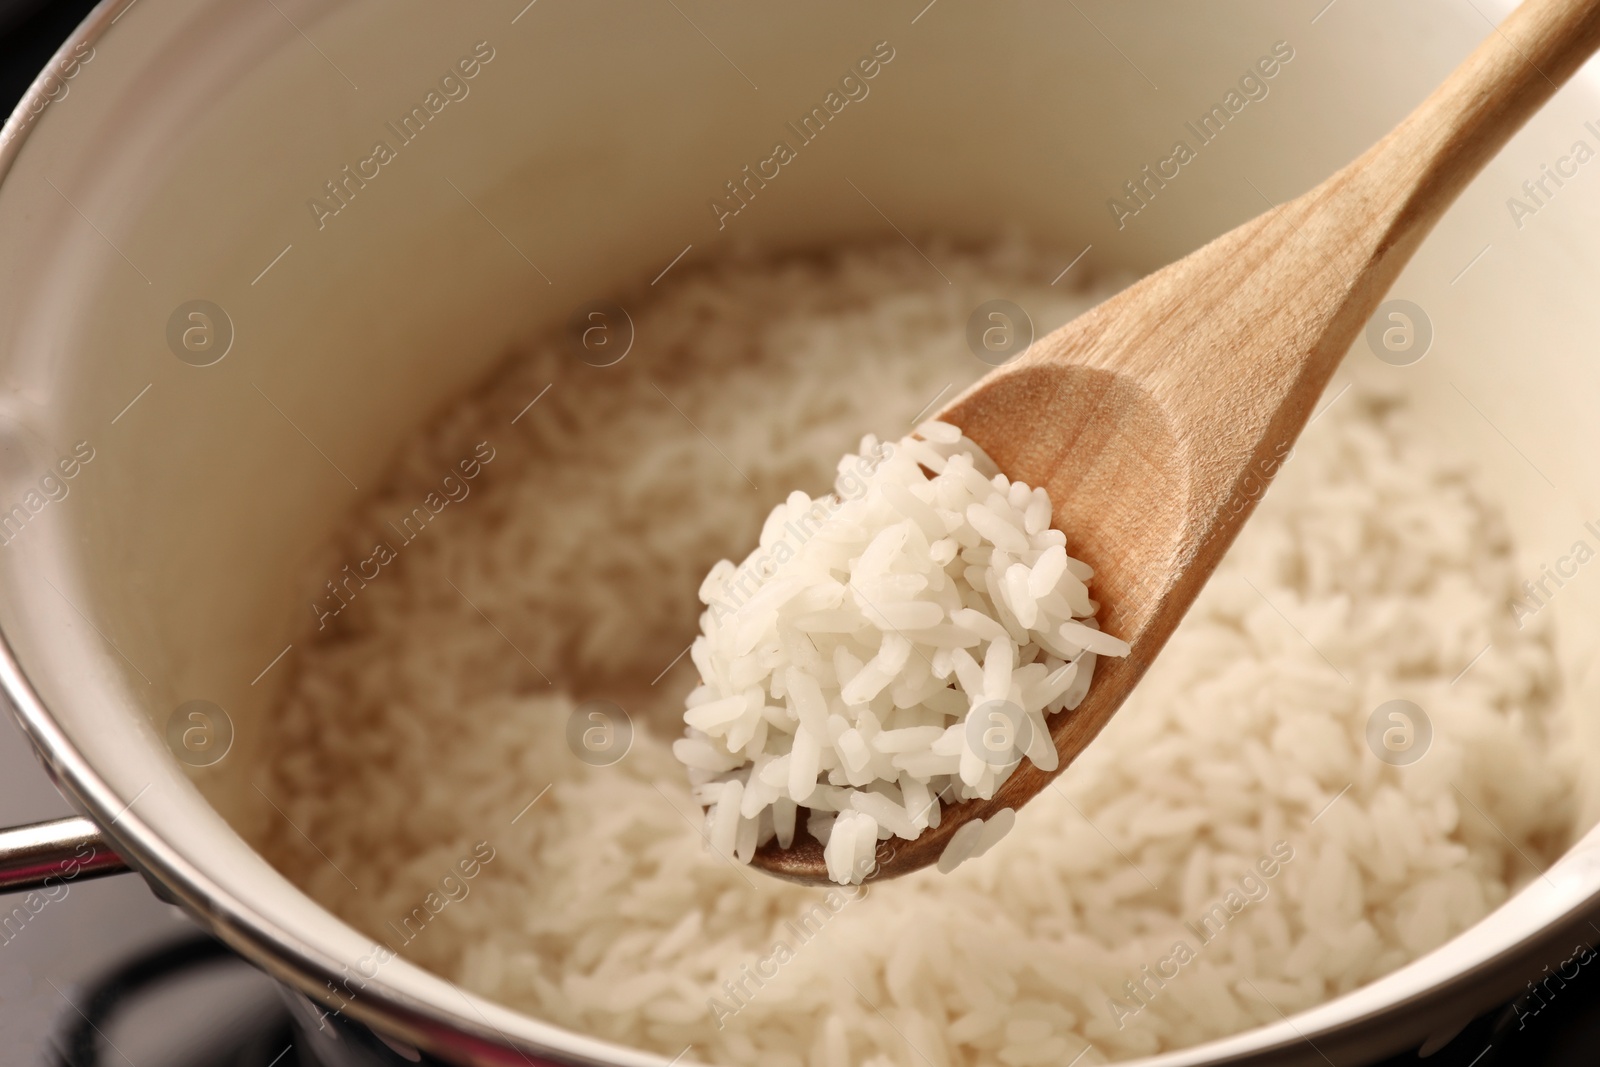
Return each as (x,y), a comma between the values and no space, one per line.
(1310,1036)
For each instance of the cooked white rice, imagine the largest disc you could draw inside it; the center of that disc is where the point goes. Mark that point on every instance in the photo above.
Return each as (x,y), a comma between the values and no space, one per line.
(839,649)
(1235,793)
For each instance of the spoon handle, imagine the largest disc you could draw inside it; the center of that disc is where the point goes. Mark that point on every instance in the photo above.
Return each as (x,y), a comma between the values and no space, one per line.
(1413,175)
(1314,269)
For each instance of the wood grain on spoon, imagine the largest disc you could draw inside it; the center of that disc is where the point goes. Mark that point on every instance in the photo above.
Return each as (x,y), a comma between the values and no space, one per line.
(1157,419)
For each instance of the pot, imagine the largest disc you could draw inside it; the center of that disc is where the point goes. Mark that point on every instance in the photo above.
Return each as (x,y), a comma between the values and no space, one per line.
(224,307)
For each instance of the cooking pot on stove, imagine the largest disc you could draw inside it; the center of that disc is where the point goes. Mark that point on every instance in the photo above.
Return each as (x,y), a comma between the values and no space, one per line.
(237,239)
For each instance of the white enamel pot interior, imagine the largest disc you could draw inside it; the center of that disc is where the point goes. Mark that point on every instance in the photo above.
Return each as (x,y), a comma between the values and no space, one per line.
(175,163)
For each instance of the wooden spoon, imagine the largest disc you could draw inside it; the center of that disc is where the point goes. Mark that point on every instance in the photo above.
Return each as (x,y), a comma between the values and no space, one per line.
(1157,419)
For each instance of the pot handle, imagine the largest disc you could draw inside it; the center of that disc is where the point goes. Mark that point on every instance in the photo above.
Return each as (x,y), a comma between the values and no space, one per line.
(66,850)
